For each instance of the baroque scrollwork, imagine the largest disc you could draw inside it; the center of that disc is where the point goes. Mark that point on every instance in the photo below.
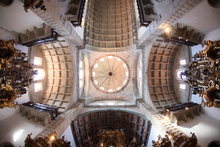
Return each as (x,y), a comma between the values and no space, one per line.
(49,141)
(203,74)
(15,73)
(116,138)
(172,140)
(111,138)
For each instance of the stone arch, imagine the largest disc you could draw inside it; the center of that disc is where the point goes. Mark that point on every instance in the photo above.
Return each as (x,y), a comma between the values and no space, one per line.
(88,124)
(159,74)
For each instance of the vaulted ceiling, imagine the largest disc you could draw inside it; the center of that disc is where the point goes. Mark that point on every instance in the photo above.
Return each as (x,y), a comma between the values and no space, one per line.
(59,71)
(87,126)
(110,24)
(160,74)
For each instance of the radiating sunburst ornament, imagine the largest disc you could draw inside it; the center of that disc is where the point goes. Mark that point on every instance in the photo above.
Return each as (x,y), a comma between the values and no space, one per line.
(110,74)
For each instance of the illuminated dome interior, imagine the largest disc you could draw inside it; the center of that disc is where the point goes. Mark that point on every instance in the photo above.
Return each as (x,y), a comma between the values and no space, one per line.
(110,74)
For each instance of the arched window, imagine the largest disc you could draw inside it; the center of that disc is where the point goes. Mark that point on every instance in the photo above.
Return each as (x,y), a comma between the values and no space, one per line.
(81,74)
(179,76)
(40,74)
(183,62)
(37,61)
(38,87)
(183,86)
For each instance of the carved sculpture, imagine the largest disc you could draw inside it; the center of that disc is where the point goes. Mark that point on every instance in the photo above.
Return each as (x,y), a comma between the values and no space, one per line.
(162,142)
(48,141)
(116,138)
(203,74)
(15,74)
(172,140)
(7,50)
(111,138)
(7,97)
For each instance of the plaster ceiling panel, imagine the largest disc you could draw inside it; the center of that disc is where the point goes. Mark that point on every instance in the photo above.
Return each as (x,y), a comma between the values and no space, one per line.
(60,97)
(61,90)
(46,52)
(68,58)
(119,27)
(50,66)
(110,79)
(107,70)
(58,73)
(49,46)
(49,81)
(54,59)
(56,45)
(56,66)
(66,51)
(52,52)
(160,80)
(69,65)
(48,58)
(59,52)
(55,89)
(62,58)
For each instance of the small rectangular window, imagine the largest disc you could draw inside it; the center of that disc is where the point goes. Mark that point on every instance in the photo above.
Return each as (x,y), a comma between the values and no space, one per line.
(38,87)
(183,86)
(37,61)
(183,62)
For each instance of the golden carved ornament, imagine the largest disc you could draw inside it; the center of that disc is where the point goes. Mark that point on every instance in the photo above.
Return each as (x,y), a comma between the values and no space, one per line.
(48,141)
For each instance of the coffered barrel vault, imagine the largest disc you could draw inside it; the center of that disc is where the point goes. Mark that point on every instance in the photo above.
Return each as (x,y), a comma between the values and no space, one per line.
(159,72)
(110,23)
(86,126)
(60,74)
